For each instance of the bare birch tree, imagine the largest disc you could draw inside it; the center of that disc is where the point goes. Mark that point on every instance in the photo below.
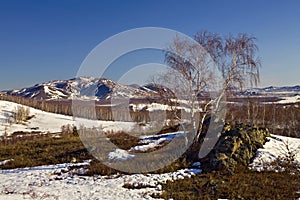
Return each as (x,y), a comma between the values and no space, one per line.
(190,73)
(196,69)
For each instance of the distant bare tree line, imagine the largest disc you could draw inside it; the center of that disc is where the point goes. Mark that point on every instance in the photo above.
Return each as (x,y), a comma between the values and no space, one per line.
(82,110)
(278,118)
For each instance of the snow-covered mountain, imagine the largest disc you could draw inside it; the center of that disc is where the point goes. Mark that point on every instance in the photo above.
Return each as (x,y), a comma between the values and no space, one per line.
(280,95)
(83,87)
(100,88)
(272,90)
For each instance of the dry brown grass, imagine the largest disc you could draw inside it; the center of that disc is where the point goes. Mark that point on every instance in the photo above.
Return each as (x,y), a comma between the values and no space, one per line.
(243,184)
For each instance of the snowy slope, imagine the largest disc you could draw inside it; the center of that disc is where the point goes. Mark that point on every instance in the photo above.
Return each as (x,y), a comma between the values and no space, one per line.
(50,122)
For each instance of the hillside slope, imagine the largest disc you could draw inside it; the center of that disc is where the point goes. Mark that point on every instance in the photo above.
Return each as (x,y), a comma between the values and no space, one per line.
(48,122)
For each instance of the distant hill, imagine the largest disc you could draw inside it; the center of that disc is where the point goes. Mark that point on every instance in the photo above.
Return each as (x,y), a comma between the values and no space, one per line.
(105,89)
(82,87)
(272,90)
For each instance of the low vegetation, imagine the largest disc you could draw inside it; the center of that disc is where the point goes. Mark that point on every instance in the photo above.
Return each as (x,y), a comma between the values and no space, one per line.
(122,139)
(35,149)
(243,184)
(43,150)
(21,114)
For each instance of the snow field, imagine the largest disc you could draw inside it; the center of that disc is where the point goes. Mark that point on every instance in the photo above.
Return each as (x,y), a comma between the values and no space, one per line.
(50,122)
(46,182)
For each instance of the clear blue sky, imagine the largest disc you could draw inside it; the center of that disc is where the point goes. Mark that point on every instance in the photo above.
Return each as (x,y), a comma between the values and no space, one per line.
(44,40)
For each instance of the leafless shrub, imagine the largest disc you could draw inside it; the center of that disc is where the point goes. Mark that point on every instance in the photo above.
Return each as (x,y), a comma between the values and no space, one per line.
(68,130)
(21,114)
(286,161)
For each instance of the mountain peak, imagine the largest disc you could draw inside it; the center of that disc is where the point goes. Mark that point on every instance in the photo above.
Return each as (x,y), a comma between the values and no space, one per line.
(85,87)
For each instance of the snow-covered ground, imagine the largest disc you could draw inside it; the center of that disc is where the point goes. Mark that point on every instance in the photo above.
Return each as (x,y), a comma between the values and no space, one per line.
(120,155)
(57,182)
(278,147)
(292,99)
(50,122)
(153,141)
(47,182)
(157,107)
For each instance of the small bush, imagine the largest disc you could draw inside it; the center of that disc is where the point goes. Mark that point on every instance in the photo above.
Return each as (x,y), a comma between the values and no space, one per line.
(69,130)
(21,114)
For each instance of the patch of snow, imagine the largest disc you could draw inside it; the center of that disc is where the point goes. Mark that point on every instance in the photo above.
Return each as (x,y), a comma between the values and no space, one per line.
(274,149)
(45,183)
(5,161)
(55,94)
(149,107)
(63,166)
(196,164)
(152,141)
(119,155)
(157,107)
(150,145)
(292,99)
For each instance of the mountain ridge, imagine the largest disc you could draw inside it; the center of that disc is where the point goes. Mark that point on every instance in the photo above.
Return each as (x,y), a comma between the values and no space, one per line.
(272,89)
(83,87)
(101,88)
